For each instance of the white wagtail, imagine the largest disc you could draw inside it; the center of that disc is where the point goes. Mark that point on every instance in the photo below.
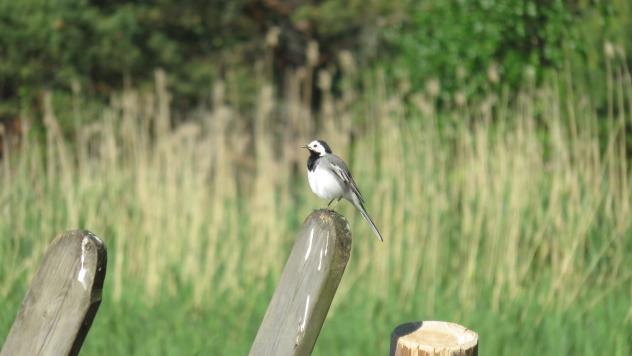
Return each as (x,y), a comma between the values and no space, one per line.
(330,178)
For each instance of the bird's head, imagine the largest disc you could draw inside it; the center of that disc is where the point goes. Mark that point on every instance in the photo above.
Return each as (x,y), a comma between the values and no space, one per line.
(318,147)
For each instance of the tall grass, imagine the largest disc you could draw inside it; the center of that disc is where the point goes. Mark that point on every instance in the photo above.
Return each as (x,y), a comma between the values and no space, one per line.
(510,215)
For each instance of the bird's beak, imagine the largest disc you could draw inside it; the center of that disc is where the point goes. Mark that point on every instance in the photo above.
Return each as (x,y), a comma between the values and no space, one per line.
(304,146)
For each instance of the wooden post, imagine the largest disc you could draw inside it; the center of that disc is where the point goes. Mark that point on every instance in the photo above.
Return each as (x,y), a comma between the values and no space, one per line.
(433,338)
(63,298)
(307,286)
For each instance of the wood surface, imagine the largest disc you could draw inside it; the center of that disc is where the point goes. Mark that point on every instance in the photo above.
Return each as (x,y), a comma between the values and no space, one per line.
(62,300)
(307,286)
(433,338)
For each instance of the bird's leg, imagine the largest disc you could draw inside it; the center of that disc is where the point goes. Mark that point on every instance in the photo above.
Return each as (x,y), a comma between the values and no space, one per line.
(332,200)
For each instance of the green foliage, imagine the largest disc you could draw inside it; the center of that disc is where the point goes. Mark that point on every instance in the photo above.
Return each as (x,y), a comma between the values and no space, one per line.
(101,45)
(483,40)
(515,227)
(518,230)
(360,325)
(504,41)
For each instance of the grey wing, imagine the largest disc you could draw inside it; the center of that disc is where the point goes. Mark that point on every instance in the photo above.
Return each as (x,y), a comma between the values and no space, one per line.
(342,171)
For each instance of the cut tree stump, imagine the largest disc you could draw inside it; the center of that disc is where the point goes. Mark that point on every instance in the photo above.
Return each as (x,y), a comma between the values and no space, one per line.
(63,299)
(433,338)
(307,286)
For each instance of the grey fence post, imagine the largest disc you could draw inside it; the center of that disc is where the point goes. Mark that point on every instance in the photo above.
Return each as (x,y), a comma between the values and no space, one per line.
(307,286)
(63,299)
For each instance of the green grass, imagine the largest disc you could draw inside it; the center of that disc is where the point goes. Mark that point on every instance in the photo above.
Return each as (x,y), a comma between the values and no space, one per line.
(512,218)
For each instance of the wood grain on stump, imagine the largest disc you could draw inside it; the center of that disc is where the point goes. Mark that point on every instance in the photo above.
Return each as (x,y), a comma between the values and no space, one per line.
(430,338)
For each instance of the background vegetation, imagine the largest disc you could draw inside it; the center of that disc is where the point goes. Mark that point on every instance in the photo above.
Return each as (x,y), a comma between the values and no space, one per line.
(491,138)
(100,46)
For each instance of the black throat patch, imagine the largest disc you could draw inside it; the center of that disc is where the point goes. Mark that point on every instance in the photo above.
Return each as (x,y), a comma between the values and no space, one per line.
(311,161)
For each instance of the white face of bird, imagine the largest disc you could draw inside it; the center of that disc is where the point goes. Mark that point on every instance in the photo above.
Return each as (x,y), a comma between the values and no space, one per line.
(319,147)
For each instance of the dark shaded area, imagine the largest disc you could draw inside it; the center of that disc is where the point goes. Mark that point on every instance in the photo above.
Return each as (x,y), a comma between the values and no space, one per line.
(403,330)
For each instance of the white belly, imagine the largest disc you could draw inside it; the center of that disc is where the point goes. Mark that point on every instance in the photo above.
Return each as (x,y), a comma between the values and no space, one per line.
(325,184)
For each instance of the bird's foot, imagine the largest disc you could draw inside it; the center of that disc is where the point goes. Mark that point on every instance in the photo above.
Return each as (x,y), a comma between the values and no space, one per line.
(331,201)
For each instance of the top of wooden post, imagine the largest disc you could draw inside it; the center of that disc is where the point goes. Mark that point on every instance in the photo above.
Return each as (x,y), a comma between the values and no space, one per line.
(307,286)
(63,298)
(430,338)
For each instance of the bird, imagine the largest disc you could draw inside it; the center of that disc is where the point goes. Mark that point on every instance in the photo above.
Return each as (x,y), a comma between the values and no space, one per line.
(330,178)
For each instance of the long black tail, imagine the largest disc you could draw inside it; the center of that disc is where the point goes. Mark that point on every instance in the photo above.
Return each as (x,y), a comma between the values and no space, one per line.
(358,204)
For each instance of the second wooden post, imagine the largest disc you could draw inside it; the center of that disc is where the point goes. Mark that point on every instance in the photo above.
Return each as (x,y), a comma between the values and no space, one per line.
(307,286)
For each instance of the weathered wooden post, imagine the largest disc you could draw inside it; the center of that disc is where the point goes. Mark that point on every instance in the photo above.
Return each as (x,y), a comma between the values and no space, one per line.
(433,338)
(307,286)
(63,299)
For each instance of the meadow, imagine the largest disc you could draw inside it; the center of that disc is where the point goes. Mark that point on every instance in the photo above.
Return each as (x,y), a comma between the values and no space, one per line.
(509,214)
